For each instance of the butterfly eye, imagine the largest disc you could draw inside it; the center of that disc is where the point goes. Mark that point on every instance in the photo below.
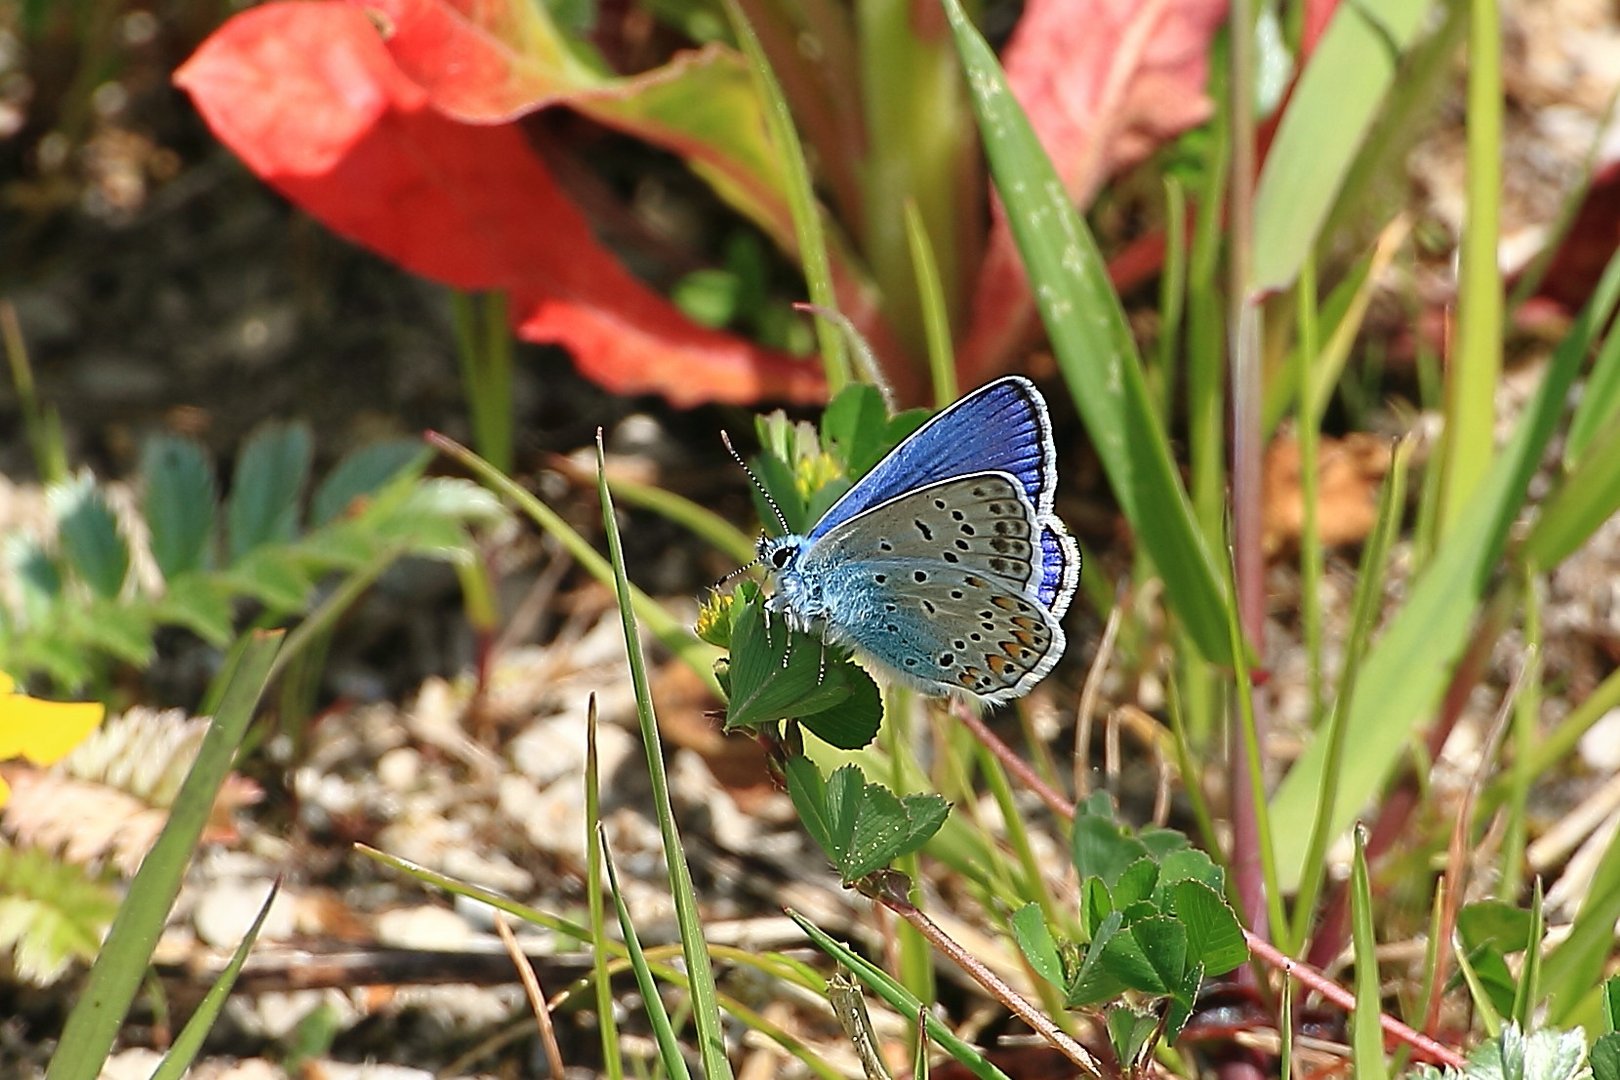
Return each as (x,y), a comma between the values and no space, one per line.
(779,557)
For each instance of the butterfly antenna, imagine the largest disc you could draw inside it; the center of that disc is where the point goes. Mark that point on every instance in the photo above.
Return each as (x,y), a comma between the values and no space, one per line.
(759,487)
(743,569)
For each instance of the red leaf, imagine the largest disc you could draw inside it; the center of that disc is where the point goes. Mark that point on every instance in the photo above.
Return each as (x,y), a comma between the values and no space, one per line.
(1104,82)
(308,95)
(1586,248)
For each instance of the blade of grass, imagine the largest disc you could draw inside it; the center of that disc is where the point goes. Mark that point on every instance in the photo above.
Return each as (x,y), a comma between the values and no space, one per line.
(801,199)
(1094,347)
(1585,499)
(705,1010)
(1365,607)
(1528,993)
(1476,365)
(774,965)
(607,1026)
(1308,433)
(120,967)
(935,318)
(184,1049)
(1323,128)
(1366,1032)
(1172,296)
(1489,1018)
(677,638)
(669,1047)
(1407,669)
(1599,404)
(700,521)
(898,998)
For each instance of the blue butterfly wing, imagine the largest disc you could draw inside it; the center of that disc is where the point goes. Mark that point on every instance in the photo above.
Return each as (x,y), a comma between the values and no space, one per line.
(943,586)
(1000,427)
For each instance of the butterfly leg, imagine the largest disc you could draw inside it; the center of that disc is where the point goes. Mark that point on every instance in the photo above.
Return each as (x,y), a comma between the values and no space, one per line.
(821,667)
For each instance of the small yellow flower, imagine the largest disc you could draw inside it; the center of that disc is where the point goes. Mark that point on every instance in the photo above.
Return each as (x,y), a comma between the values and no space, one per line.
(41,731)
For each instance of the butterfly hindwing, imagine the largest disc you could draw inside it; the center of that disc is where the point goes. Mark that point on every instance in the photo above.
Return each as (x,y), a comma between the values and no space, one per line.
(955,632)
(940,585)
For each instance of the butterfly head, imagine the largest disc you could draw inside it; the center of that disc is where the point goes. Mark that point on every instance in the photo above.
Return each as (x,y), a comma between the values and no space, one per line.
(794,594)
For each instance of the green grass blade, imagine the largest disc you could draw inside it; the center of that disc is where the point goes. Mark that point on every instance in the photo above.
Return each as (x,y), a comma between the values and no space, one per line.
(1476,366)
(1407,669)
(1364,611)
(1366,1033)
(121,966)
(1576,965)
(1094,348)
(705,1009)
(607,1027)
(1323,128)
(936,319)
(184,1049)
(673,635)
(898,998)
(700,521)
(1599,404)
(1584,500)
(802,203)
(669,1047)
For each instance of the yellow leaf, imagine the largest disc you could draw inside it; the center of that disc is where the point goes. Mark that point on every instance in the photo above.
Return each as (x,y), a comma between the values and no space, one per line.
(43,731)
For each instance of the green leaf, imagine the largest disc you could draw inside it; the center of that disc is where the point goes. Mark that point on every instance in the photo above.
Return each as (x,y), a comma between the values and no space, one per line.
(1322,129)
(856,425)
(1096,981)
(52,913)
(1095,905)
(180,503)
(1103,848)
(184,1049)
(887,829)
(1129,1031)
(91,543)
(1214,935)
(1605,1058)
(809,794)
(862,826)
(1492,975)
(124,630)
(1095,349)
(362,473)
(1599,403)
(853,722)
(845,789)
(269,575)
(1495,923)
(1584,499)
(200,604)
(764,688)
(1547,1054)
(1035,941)
(1188,864)
(1611,1004)
(1136,884)
(1149,955)
(270,474)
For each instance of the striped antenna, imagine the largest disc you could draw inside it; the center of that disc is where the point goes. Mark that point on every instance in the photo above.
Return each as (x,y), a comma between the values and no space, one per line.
(759,487)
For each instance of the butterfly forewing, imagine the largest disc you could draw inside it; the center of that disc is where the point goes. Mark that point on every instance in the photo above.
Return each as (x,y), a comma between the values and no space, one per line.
(979,523)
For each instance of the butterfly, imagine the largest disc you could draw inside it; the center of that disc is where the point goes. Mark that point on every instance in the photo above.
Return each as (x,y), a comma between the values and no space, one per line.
(944,565)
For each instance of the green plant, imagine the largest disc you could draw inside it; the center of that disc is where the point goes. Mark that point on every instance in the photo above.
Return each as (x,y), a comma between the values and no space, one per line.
(86,601)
